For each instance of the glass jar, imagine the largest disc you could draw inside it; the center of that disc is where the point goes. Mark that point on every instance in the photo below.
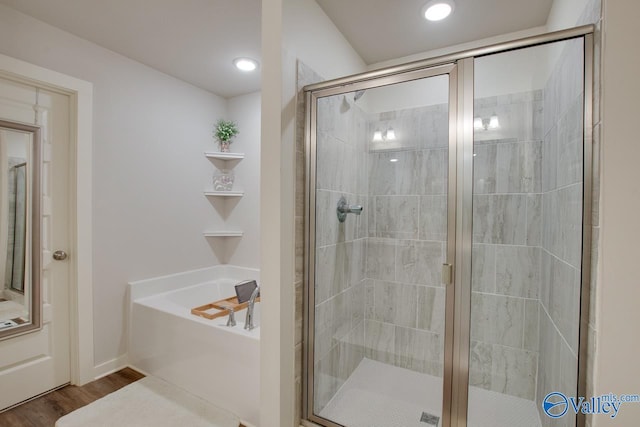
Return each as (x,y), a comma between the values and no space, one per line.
(223,181)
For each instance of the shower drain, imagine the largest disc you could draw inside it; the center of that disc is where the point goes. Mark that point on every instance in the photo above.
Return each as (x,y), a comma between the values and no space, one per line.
(429,419)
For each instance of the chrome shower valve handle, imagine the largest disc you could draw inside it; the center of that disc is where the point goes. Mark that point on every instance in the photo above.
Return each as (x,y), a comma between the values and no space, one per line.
(344,208)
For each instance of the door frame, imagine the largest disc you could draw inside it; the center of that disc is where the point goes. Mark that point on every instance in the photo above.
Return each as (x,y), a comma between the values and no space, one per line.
(80,94)
(458,299)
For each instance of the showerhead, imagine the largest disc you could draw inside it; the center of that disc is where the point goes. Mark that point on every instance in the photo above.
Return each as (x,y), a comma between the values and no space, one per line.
(358,95)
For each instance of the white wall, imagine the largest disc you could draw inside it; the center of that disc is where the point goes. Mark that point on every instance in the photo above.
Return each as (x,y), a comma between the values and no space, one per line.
(413,94)
(564,14)
(291,29)
(150,132)
(512,72)
(276,389)
(244,213)
(309,34)
(618,342)
(16,144)
(515,72)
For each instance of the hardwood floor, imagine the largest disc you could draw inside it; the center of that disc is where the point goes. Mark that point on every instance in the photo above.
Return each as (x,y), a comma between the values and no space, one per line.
(45,410)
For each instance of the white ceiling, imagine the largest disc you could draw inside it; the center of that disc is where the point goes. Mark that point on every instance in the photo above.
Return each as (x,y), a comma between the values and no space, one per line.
(381,30)
(196,40)
(193,40)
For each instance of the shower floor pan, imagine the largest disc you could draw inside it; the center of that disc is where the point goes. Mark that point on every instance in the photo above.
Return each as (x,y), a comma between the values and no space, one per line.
(381,395)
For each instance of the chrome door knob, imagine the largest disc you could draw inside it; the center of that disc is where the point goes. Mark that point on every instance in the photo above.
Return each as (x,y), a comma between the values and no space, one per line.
(59,255)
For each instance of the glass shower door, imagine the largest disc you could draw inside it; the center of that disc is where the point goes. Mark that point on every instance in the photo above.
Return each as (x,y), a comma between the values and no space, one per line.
(476,173)
(379,217)
(527,234)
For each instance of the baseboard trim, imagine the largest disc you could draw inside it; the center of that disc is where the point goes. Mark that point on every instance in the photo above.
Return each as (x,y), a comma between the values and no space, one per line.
(110,366)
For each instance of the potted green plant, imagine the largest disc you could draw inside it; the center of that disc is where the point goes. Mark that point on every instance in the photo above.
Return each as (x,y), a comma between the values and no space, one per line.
(225,130)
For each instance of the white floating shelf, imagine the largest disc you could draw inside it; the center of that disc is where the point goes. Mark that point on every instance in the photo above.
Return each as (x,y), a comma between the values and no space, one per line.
(224,193)
(228,233)
(224,156)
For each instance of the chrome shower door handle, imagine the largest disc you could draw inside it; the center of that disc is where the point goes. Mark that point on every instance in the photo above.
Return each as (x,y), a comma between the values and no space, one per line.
(447,274)
(344,208)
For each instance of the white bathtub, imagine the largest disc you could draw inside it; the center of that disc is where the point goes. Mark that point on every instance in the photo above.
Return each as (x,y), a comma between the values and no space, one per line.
(205,357)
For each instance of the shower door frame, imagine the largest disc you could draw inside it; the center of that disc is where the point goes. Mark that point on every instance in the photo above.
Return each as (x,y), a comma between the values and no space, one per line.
(460,68)
(449,69)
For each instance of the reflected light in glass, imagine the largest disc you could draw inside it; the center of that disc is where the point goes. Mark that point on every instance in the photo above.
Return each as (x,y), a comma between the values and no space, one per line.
(493,122)
(391,134)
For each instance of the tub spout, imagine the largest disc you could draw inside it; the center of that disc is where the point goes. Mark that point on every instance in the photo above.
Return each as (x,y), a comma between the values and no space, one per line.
(248,324)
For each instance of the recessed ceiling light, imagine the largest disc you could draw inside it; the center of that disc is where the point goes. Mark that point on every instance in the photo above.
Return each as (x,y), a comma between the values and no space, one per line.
(245,64)
(437,10)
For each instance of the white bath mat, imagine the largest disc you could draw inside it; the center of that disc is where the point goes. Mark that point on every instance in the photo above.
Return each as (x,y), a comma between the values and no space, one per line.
(149,402)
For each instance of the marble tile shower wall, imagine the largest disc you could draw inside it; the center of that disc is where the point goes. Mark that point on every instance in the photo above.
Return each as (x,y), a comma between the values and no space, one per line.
(391,255)
(562,236)
(404,308)
(506,253)
(340,247)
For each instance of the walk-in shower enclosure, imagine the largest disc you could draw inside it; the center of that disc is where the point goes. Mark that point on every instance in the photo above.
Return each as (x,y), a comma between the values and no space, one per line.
(448,239)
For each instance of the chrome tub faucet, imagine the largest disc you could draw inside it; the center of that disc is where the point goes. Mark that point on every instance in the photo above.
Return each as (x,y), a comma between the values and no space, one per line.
(248,324)
(231,321)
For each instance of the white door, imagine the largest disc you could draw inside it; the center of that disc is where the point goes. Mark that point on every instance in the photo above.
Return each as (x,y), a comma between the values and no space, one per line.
(34,363)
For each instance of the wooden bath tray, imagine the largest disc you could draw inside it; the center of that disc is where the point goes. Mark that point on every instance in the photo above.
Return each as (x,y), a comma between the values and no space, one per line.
(222,306)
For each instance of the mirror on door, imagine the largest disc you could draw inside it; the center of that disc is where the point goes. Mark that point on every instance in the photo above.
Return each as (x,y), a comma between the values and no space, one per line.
(19,228)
